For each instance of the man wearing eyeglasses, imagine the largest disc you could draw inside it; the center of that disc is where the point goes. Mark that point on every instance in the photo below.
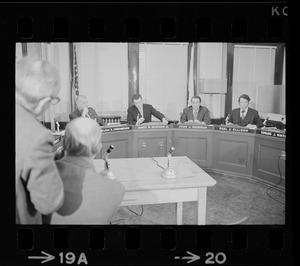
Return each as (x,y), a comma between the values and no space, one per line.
(83,110)
(39,188)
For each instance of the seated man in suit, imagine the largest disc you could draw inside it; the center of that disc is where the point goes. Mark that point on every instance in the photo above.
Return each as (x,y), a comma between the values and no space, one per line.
(195,113)
(140,112)
(90,198)
(85,111)
(245,116)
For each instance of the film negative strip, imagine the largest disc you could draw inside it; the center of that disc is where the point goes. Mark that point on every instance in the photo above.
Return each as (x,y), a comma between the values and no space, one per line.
(203,237)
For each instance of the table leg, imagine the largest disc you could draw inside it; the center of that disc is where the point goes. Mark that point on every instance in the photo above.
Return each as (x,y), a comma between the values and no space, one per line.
(179,213)
(202,206)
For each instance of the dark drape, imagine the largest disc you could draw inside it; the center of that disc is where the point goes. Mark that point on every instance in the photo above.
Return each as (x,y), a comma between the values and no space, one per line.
(133,70)
(188,72)
(71,76)
(229,74)
(195,74)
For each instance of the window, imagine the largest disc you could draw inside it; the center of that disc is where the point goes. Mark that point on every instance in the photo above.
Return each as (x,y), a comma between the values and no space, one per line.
(163,77)
(103,76)
(253,67)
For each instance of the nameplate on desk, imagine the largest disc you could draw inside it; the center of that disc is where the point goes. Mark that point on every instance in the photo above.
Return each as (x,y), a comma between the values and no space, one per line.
(194,126)
(119,128)
(234,129)
(152,127)
(271,133)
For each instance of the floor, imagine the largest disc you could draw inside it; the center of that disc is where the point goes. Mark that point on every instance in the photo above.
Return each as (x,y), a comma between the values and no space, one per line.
(232,200)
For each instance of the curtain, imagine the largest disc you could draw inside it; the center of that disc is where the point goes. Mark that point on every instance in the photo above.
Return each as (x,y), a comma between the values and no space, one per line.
(191,73)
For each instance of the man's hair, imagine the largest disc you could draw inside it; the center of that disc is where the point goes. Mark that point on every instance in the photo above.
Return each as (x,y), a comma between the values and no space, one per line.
(82,137)
(136,96)
(36,79)
(196,97)
(244,96)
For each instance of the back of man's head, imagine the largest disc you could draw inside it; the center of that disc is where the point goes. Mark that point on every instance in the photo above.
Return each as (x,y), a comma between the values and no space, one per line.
(82,137)
(36,79)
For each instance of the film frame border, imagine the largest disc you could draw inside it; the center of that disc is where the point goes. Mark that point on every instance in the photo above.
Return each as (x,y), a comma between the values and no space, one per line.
(121,26)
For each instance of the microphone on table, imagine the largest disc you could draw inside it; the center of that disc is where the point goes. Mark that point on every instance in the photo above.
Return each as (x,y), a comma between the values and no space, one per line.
(227,119)
(265,121)
(107,171)
(171,151)
(169,172)
(57,125)
(108,151)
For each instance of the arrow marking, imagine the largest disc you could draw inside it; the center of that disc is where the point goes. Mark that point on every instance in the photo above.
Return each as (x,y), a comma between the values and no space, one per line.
(45,258)
(191,259)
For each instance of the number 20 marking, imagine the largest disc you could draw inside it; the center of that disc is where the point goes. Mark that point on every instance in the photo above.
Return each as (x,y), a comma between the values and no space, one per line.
(212,258)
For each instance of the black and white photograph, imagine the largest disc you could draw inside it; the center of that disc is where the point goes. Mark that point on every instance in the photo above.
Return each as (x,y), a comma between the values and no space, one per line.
(150,133)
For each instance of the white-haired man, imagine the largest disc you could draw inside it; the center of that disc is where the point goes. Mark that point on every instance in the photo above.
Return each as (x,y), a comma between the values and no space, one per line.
(90,198)
(39,189)
(83,110)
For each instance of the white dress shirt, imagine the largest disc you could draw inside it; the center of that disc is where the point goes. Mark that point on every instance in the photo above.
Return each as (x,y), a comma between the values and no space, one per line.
(245,113)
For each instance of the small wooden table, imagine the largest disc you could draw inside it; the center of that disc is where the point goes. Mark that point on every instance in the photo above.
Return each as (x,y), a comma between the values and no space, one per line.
(145,185)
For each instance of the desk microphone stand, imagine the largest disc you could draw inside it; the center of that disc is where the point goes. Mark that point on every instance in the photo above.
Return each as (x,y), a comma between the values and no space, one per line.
(107,171)
(169,172)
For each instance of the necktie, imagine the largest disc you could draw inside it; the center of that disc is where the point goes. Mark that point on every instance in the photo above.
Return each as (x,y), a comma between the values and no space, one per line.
(243,114)
(195,115)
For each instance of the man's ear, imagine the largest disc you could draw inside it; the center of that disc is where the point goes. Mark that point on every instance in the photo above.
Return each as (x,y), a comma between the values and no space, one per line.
(42,106)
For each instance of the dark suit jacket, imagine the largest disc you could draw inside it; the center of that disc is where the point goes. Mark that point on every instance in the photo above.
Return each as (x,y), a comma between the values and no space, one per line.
(89,197)
(39,189)
(203,115)
(148,110)
(92,114)
(251,117)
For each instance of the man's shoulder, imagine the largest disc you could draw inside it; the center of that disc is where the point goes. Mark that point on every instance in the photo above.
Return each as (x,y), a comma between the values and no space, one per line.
(131,108)
(104,182)
(251,110)
(147,106)
(26,122)
(204,108)
(187,109)
(91,109)
(75,113)
(236,110)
